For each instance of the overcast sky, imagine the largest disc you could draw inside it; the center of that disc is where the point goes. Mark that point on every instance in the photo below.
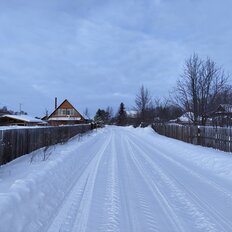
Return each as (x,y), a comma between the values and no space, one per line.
(97,53)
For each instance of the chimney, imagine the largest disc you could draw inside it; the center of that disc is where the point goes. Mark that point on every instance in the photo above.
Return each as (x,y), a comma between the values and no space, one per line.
(55,103)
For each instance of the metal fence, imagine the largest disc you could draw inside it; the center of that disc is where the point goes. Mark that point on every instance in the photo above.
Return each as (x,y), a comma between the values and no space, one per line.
(216,137)
(17,142)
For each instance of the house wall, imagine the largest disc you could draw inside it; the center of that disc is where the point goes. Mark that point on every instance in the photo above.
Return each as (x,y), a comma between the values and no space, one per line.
(68,122)
(15,122)
(66,111)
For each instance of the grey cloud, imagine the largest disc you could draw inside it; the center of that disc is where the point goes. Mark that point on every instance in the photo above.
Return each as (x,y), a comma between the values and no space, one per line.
(98,53)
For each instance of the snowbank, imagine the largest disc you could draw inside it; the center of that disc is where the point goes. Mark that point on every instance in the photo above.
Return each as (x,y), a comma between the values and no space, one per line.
(31,188)
(207,158)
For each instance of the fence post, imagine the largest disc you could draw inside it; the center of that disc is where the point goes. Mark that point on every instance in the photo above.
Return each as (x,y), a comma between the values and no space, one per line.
(198,135)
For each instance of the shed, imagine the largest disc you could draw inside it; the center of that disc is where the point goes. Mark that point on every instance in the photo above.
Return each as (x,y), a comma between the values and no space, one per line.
(222,116)
(20,120)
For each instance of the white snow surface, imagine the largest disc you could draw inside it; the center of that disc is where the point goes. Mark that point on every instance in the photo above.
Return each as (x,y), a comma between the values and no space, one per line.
(131,113)
(186,117)
(118,179)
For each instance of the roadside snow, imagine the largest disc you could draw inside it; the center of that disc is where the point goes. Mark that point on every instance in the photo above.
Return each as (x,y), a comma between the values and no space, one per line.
(215,161)
(118,179)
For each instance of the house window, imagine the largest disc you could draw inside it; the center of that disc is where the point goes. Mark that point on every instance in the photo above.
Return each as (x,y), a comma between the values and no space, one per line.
(72,112)
(65,112)
(59,112)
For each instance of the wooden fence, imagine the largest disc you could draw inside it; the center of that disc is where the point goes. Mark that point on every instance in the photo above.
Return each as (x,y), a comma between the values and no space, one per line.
(216,137)
(17,142)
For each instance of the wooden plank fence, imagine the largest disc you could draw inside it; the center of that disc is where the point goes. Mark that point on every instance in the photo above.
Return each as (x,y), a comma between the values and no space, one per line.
(216,137)
(17,142)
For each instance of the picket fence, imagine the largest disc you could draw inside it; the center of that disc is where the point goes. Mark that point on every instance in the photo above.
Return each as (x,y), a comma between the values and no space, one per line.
(17,142)
(216,137)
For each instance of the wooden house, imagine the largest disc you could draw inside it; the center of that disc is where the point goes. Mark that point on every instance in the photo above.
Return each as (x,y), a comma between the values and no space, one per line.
(222,116)
(65,114)
(20,120)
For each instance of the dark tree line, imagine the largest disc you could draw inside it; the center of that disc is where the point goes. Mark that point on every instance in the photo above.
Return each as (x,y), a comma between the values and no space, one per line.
(5,110)
(201,88)
(107,117)
(104,116)
(146,111)
(149,110)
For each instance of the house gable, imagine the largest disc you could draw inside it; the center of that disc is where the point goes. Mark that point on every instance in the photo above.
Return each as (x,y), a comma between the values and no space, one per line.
(66,111)
(220,108)
(224,108)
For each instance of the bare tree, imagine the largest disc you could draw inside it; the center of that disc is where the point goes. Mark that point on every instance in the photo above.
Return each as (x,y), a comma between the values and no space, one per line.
(164,110)
(186,89)
(199,87)
(109,114)
(86,113)
(212,83)
(143,103)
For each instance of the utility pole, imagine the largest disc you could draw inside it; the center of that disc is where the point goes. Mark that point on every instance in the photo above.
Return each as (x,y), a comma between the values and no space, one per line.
(20,108)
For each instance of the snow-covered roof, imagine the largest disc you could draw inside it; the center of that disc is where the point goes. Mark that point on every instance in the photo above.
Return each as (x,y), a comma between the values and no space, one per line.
(131,113)
(226,107)
(186,117)
(64,119)
(25,118)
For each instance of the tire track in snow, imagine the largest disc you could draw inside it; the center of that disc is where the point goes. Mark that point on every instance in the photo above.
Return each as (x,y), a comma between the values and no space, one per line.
(112,196)
(196,207)
(46,222)
(67,206)
(129,214)
(203,204)
(149,215)
(69,218)
(82,217)
(72,206)
(146,217)
(127,222)
(201,177)
(137,199)
(161,199)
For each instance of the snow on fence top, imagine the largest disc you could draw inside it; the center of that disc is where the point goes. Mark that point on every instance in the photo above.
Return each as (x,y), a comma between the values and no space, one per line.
(20,141)
(216,137)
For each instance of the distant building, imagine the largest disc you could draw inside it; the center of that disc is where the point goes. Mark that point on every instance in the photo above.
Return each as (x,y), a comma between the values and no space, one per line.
(20,120)
(131,113)
(65,114)
(186,118)
(222,116)
(132,117)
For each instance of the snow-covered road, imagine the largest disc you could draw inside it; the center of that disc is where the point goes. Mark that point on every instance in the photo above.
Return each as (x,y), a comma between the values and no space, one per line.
(121,179)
